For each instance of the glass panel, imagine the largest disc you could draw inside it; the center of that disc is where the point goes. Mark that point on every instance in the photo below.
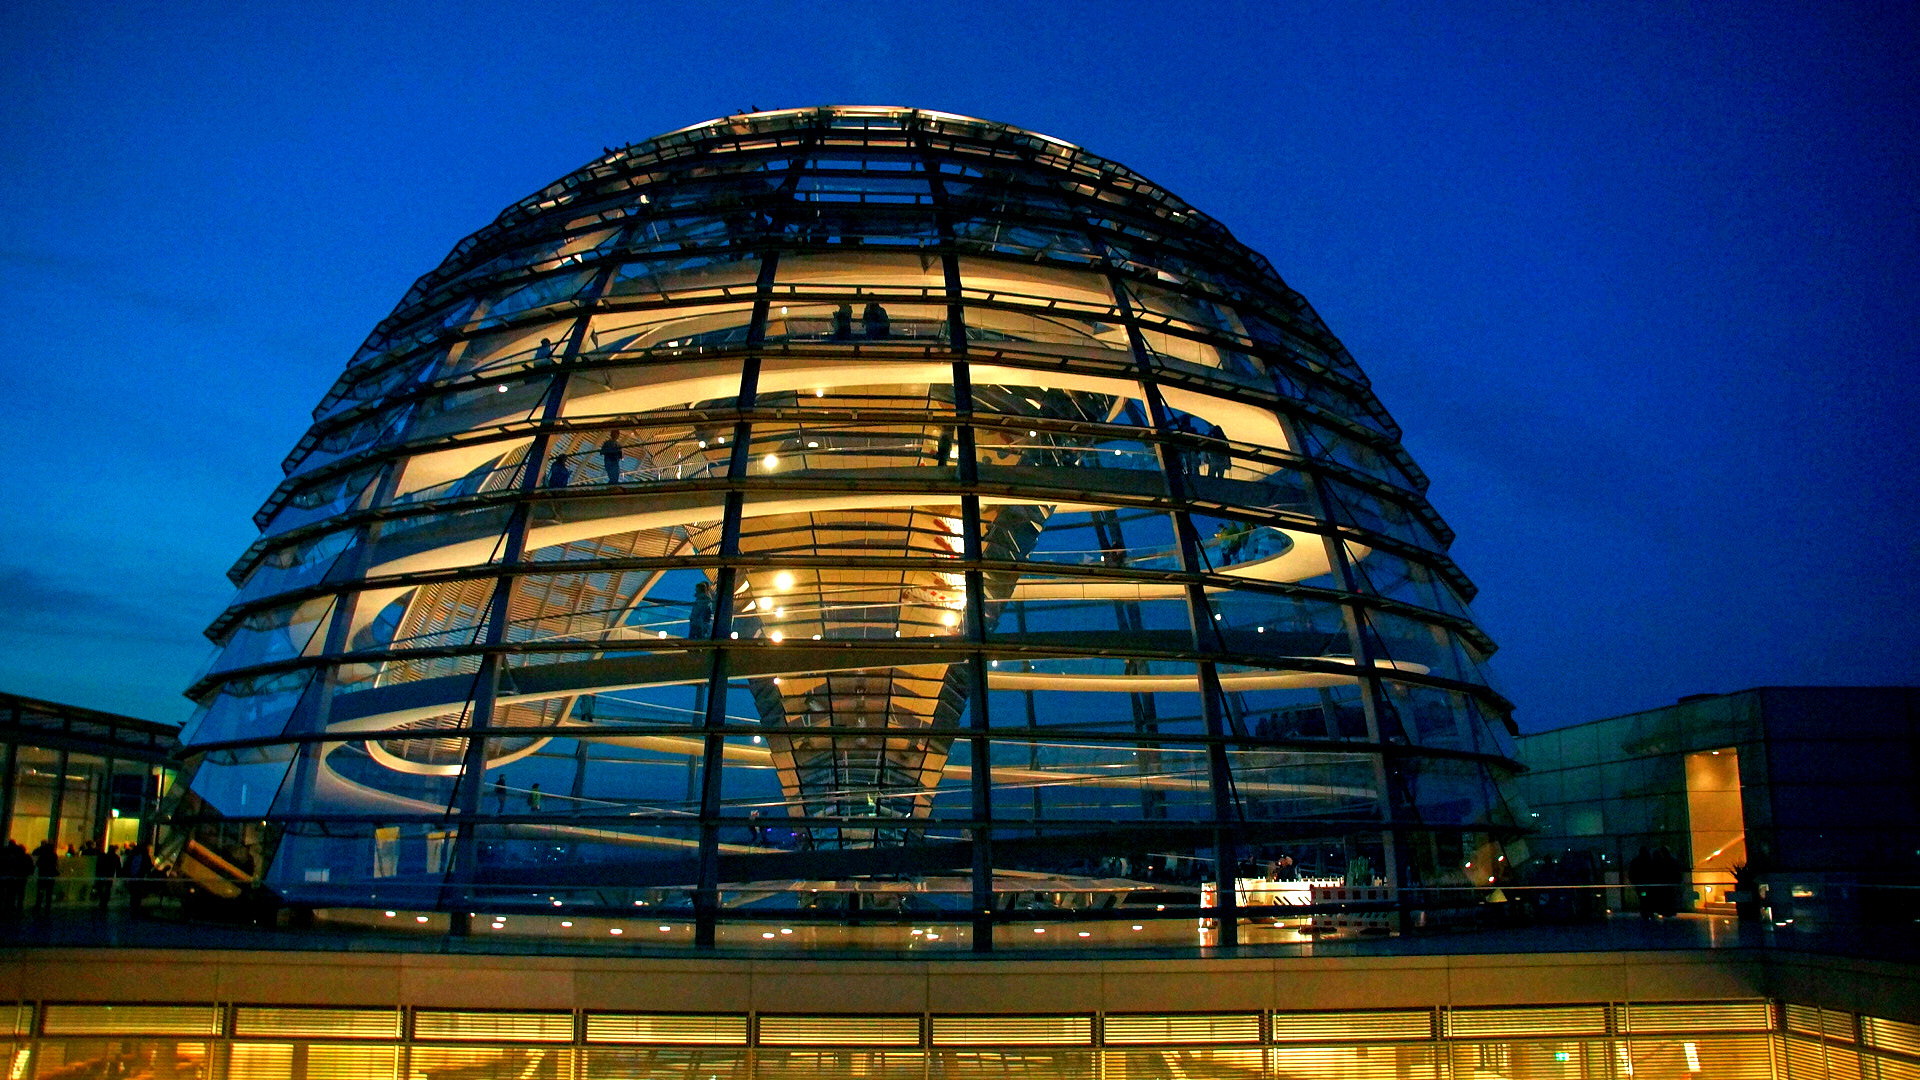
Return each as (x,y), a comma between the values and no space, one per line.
(1136,538)
(474,407)
(507,350)
(248,708)
(242,784)
(927,450)
(487,1025)
(678,335)
(1330,711)
(82,807)
(433,539)
(119,1057)
(1376,513)
(648,1063)
(296,565)
(1087,613)
(317,1061)
(409,769)
(1206,1061)
(1412,645)
(840,1065)
(544,292)
(1385,574)
(258,1020)
(1265,624)
(1095,461)
(1254,550)
(321,499)
(1451,792)
(1344,448)
(849,271)
(36,771)
(280,633)
(1094,696)
(488,1063)
(1443,718)
(686,277)
(1099,781)
(849,601)
(477,469)
(674,705)
(1288,785)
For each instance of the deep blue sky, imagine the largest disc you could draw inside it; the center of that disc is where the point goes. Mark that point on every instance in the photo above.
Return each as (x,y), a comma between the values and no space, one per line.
(1638,280)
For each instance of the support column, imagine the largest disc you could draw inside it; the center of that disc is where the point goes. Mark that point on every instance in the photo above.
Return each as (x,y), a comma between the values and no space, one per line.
(706,894)
(457,891)
(980,742)
(1372,695)
(1207,642)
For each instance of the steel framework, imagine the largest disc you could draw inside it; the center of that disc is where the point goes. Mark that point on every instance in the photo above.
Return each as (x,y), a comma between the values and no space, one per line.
(848,514)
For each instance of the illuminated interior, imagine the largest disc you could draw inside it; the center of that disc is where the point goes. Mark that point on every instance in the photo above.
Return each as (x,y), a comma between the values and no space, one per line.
(853,516)
(1716,823)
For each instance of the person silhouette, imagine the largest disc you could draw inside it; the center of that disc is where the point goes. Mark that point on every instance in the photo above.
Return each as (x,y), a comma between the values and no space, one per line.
(875,320)
(610,457)
(700,618)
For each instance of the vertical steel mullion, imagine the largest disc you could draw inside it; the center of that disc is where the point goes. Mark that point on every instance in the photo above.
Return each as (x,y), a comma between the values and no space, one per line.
(340,624)
(486,680)
(980,743)
(706,893)
(1207,642)
(706,897)
(8,786)
(57,807)
(103,804)
(1372,694)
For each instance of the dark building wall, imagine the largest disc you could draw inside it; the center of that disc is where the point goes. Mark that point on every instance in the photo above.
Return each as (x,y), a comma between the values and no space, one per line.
(1827,780)
(1841,778)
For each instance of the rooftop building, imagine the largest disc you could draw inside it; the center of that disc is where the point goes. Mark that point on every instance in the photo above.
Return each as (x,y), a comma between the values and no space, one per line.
(1802,799)
(74,776)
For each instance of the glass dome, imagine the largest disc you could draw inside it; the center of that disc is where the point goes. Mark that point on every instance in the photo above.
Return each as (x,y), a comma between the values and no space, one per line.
(849,516)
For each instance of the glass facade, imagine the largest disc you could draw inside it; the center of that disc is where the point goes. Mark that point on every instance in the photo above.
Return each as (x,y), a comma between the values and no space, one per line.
(1807,789)
(1748,1039)
(79,778)
(850,516)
